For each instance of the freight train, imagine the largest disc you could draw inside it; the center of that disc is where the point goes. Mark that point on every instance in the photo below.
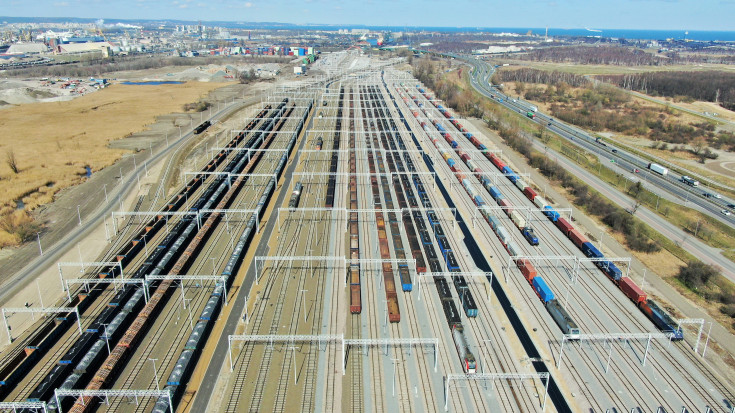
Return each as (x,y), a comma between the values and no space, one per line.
(202,127)
(87,350)
(467,359)
(176,382)
(391,296)
(657,315)
(558,313)
(333,161)
(86,355)
(354,271)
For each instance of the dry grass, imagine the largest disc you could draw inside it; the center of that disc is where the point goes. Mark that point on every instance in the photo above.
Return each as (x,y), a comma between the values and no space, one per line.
(53,142)
(614,69)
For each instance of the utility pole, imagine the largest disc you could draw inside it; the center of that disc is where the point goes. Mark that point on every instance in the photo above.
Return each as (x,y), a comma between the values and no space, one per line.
(394,375)
(303,301)
(293,361)
(155,372)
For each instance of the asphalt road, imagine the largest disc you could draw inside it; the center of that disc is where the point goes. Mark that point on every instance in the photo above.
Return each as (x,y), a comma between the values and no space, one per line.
(687,241)
(699,249)
(90,221)
(671,182)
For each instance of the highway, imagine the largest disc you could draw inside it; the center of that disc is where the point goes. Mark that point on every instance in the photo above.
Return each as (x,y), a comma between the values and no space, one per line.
(670,182)
(699,249)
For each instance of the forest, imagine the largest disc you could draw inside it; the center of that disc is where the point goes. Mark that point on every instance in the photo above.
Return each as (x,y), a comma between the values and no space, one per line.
(595,55)
(527,75)
(710,86)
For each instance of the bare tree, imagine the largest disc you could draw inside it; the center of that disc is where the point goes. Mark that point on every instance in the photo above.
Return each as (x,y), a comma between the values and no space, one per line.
(11,160)
(635,207)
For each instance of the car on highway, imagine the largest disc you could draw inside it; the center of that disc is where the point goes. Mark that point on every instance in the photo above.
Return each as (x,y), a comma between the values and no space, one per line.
(716,195)
(731,206)
(636,170)
(615,151)
(725,212)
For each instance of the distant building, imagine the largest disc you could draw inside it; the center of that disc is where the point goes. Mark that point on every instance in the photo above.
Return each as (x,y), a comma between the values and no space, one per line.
(27,48)
(501,49)
(81,48)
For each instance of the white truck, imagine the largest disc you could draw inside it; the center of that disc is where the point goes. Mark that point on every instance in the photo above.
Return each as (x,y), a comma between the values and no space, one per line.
(689,181)
(658,169)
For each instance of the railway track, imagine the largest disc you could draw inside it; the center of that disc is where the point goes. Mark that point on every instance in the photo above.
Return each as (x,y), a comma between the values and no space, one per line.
(660,369)
(133,256)
(294,238)
(220,198)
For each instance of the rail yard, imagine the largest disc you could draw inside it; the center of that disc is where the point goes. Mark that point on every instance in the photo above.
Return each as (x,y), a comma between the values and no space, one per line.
(355,246)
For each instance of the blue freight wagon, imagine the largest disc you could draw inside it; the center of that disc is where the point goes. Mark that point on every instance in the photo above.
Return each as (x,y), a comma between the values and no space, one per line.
(468,303)
(611,270)
(551,213)
(591,251)
(495,193)
(543,290)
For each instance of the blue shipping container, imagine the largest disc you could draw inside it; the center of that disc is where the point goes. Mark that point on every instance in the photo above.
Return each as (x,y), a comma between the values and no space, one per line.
(493,222)
(612,270)
(591,251)
(543,290)
(495,193)
(451,162)
(551,214)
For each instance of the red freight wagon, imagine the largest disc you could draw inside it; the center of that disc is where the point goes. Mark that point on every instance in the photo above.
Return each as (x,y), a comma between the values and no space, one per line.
(354,275)
(632,291)
(530,193)
(355,300)
(504,203)
(527,269)
(564,226)
(394,314)
(577,238)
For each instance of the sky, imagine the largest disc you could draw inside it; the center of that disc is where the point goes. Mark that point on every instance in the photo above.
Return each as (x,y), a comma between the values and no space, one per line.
(569,14)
